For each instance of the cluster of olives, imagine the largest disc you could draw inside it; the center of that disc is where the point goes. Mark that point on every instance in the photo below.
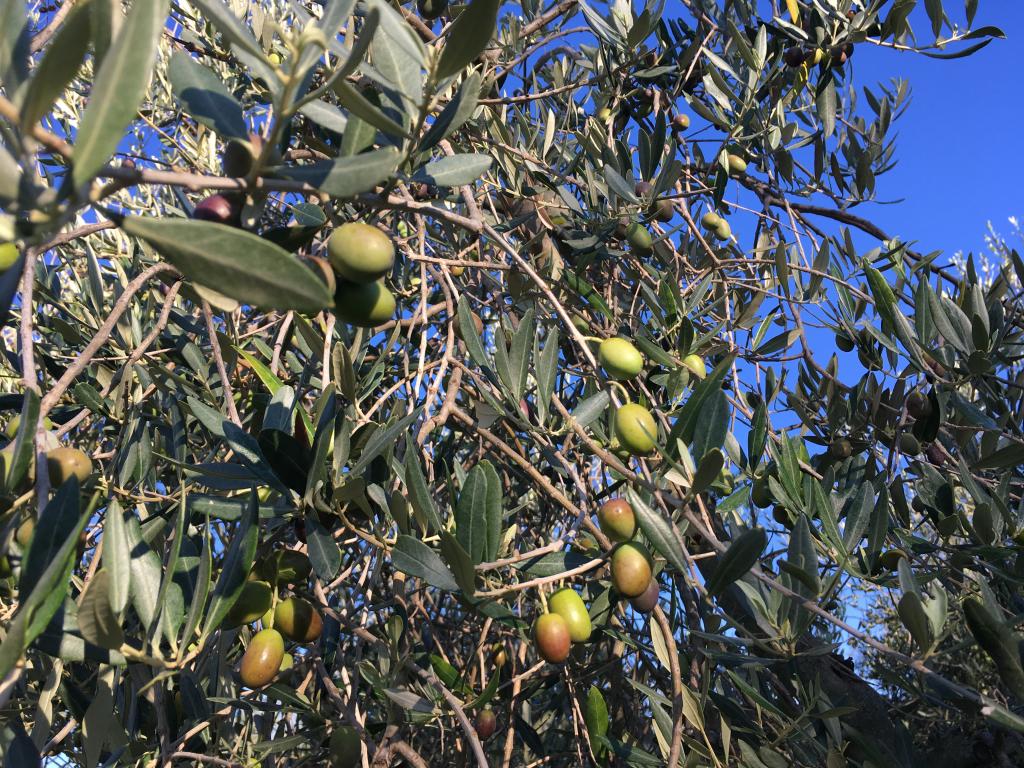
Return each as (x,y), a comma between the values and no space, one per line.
(292,618)
(632,571)
(798,55)
(361,256)
(716,225)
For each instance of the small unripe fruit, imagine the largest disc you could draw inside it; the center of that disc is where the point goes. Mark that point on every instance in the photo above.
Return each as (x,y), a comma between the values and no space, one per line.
(551,636)
(486,723)
(620,359)
(844,342)
(297,620)
(286,566)
(639,238)
(567,603)
(840,449)
(24,533)
(255,600)
(274,59)
(12,426)
(909,444)
(499,658)
(710,220)
(696,365)
(647,602)
(760,492)
(781,516)
(604,114)
(360,253)
(366,305)
(635,429)
(617,520)
(8,255)
(680,122)
(431,9)
(631,569)
(478,325)
(890,560)
(262,659)
(456,271)
(344,749)
(219,209)
(737,165)
(63,462)
(664,210)
(722,230)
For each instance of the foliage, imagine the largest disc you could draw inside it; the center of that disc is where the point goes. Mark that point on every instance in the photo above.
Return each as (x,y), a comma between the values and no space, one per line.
(411,484)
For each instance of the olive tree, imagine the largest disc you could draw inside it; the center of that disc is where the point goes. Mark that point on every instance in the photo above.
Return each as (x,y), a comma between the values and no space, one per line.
(494,384)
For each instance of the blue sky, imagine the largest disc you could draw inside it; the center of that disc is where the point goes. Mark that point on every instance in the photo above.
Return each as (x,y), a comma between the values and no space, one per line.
(959,159)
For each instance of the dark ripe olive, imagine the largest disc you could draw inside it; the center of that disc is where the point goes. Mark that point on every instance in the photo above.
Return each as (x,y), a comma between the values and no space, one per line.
(646,602)
(617,520)
(298,620)
(262,659)
(935,455)
(840,449)
(551,636)
(643,188)
(918,405)
(631,568)
(794,56)
(218,209)
(486,723)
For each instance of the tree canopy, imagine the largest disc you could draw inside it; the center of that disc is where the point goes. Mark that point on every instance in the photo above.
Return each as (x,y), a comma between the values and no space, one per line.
(495,384)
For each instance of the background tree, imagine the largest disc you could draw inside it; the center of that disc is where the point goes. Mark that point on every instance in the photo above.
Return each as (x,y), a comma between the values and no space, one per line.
(351,335)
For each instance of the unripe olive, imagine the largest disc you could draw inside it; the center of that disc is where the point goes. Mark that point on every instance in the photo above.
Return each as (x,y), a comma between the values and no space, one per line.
(760,492)
(620,359)
(360,253)
(431,9)
(298,620)
(643,188)
(498,656)
(24,533)
(567,603)
(478,324)
(366,305)
(238,156)
(664,210)
(617,520)
(255,600)
(844,342)
(840,449)
(737,165)
(639,238)
(722,230)
(5,568)
(8,255)
(710,220)
(344,748)
(696,365)
(631,568)
(262,659)
(635,429)
(890,559)
(781,516)
(646,602)
(219,209)
(680,122)
(456,271)
(63,462)
(286,566)
(551,636)
(274,59)
(12,426)
(486,723)
(918,405)
(604,114)
(909,444)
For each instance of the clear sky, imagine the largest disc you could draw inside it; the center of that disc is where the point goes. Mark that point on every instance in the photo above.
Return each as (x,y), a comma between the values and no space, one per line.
(960,160)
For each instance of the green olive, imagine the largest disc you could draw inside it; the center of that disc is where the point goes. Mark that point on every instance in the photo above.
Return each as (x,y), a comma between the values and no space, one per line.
(262,659)
(710,220)
(631,568)
(696,365)
(63,462)
(551,636)
(617,520)
(620,359)
(639,237)
(360,253)
(737,165)
(567,603)
(286,566)
(298,620)
(255,600)
(344,749)
(8,256)
(635,429)
(364,304)
(431,9)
